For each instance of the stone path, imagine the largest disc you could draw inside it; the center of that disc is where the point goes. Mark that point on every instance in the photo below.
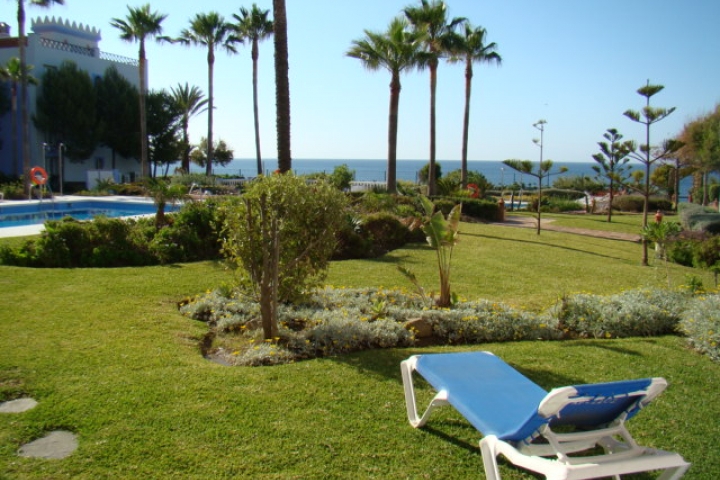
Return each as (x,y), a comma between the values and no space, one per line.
(56,444)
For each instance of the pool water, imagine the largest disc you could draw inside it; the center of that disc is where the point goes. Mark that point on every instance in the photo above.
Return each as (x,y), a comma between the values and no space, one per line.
(37,213)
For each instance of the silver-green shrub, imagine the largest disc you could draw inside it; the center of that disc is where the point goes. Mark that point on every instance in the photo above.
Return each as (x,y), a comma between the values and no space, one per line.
(701,323)
(631,313)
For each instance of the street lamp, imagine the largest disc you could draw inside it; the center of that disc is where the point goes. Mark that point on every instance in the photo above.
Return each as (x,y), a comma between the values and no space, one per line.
(44,148)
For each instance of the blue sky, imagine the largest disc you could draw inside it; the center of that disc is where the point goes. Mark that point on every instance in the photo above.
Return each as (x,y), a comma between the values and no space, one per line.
(575,63)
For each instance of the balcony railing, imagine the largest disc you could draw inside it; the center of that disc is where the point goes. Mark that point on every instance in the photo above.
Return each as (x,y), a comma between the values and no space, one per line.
(87,51)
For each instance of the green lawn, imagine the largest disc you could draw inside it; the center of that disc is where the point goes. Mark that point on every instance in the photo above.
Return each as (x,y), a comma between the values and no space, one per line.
(107,355)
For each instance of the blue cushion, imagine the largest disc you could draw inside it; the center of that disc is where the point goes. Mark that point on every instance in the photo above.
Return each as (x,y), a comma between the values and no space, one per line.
(493,396)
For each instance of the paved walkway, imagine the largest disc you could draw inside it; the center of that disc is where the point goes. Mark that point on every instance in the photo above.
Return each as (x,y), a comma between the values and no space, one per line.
(547,224)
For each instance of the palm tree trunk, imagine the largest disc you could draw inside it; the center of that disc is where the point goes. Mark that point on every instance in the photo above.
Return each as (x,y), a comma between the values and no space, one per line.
(144,165)
(255,105)
(13,109)
(186,146)
(466,123)
(211,101)
(433,89)
(282,85)
(24,97)
(392,132)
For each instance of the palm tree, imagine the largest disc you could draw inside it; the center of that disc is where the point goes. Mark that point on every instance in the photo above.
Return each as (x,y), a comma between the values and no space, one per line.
(11,72)
(212,31)
(470,47)
(282,86)
(189,101)
(140,24)
(396,50)
(24,83)
(430,17)
(254,25)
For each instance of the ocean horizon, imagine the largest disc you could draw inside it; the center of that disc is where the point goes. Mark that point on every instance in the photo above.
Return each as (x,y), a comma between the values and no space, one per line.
(374,170)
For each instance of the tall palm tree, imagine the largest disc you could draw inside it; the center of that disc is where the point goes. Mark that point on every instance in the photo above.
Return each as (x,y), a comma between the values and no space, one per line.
(24,83)
(212,31)
(396,50)
(470,47)
(190,101)
(430,17)
(140,24)
(282,86)
(255,26)
(12,72)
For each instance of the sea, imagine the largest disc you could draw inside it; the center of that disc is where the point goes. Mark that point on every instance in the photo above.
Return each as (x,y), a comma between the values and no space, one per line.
(495,171)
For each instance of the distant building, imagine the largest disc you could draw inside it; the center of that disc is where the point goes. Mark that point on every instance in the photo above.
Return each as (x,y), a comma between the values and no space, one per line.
(51,42)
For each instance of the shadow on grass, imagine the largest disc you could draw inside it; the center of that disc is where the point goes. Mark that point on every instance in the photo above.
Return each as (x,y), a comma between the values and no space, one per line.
(530,242)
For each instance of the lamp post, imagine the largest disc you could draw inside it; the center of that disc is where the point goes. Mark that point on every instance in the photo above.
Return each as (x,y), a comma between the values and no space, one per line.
(44,148)
(61,147)
(502,178)
(540,125)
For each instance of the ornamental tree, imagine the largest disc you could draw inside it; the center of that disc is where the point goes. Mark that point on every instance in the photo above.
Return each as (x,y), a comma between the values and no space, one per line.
(280,236)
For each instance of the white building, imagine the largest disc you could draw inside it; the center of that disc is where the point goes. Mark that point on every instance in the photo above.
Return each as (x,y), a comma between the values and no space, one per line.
(50,42)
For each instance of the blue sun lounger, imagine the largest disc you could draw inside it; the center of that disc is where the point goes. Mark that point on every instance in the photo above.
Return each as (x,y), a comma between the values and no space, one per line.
(537,430)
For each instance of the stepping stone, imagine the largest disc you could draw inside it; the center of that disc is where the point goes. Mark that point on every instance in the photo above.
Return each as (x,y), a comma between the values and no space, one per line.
(17,406)
(57,444)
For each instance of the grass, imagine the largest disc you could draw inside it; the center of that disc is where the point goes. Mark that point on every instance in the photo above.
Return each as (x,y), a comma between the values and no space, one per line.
(107,355)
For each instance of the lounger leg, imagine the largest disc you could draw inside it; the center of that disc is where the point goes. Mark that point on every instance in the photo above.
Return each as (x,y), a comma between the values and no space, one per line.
(407,367)
(489,456)
(674,473)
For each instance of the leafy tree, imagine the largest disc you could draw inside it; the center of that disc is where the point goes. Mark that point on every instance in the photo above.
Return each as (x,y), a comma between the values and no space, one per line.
(190,101)
(395,50)
(649,116)
(223,155)
(701,150)
(470,47)
(164,123)
(471,178)
(429,19)
(280,236)
(341,177)
(66,110)
(140,24)
(24,71)
(282,86)
(544,170)
(12,73)
(612,163)
(424,172)
(117,114)
(254,25)
(211,31)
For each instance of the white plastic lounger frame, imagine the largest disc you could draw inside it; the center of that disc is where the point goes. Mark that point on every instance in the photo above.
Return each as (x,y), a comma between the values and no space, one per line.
(517,418)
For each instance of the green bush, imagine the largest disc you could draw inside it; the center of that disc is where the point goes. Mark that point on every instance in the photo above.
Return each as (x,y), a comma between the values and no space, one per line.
(113,242)
(480,209)
(635,203)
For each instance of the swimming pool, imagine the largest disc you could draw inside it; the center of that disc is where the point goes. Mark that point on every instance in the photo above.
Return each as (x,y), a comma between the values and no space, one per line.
(21,214)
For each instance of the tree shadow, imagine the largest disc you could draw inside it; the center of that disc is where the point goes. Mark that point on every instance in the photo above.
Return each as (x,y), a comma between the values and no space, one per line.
(531,242)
